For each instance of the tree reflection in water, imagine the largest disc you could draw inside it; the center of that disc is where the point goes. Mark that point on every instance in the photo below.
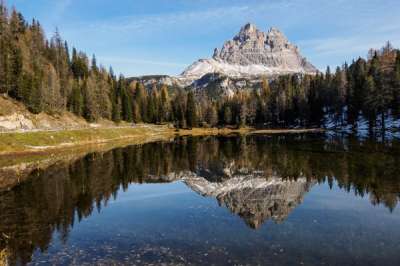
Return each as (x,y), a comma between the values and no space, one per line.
(257,177)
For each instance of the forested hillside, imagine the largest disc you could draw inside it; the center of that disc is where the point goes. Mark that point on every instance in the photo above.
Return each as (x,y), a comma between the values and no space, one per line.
(367,89)
(48,76)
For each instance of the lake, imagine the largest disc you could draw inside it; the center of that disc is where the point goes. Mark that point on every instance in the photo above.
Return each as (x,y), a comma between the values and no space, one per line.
(308,199)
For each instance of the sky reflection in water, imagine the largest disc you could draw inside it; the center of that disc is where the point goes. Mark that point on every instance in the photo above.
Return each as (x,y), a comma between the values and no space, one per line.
(280,200)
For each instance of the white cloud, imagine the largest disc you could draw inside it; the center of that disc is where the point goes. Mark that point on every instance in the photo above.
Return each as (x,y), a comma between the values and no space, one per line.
(154,22)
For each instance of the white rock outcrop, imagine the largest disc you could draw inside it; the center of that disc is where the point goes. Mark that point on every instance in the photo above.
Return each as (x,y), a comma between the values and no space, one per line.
(15,122)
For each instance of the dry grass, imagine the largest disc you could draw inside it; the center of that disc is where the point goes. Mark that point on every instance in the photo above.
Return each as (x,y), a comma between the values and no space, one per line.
(37,142)
(3,257)
(9,107)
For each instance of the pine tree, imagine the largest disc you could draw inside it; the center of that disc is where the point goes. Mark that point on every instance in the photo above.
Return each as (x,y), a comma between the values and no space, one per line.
(126,98)
(243,115)
(91,111)
(164,109)
(4,49)
(141,102)
(211,115)
(263,104)
(16,74)
(34,99)
(396,85)
(356,95)
(94,67)
(17,25)
(227,115)
(179,109)
(339,84)
(150,110)
(265,89)
(191,115)
(76,99)
(66,48)
(370,109)
(116,97)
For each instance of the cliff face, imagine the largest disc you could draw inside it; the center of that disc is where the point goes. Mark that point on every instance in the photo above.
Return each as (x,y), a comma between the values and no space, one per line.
(253,53)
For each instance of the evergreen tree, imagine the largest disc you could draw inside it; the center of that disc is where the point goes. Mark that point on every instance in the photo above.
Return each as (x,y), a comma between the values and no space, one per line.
(4,49)
(16,74)
(396,85)
(141,102)
(94,67)
(150,109)
(191,115)
(76,100)
(227,115)
(370,109)
(211,115)
(126,98)
(164,108)
(356,95)
(243,115)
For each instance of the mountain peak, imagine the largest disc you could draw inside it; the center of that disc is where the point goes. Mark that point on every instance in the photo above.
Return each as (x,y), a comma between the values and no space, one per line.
(248,31)
(253,52)
(249,27)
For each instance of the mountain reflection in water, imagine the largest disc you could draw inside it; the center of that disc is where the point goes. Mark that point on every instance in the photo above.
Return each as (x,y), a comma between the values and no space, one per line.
(253,196)
(259,178)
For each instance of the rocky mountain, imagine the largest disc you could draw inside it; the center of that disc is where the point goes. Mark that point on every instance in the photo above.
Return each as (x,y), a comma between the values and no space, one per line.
(252,53)
(240,63)
(253,195)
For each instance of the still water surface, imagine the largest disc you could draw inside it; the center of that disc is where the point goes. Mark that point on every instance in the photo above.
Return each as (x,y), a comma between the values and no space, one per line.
(271,200)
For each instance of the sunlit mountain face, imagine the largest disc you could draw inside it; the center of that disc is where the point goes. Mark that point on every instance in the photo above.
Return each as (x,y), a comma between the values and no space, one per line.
(213,185)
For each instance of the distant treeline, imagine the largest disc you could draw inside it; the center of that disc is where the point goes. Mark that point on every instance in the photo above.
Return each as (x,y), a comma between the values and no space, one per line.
(45,76)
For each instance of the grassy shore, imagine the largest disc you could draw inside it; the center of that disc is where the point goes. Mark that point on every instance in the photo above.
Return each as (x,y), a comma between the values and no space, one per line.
(21,153)
(45,141)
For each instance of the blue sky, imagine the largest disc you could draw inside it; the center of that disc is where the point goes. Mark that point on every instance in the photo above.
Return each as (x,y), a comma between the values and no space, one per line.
(164,36)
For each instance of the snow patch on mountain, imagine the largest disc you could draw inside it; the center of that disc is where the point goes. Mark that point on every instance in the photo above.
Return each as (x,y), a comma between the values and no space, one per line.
(206,66)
